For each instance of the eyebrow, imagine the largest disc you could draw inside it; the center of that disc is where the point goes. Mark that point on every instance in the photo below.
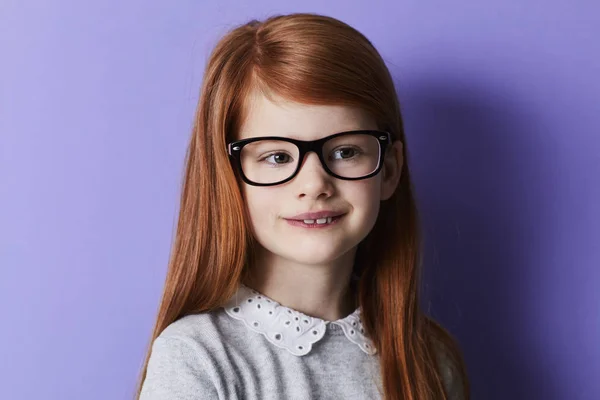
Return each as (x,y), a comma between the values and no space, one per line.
(294,135)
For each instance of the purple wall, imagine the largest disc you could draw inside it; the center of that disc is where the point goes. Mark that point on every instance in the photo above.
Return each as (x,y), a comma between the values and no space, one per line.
(502,107)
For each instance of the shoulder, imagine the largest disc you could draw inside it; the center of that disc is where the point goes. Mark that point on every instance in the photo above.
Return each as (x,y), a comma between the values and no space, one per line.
(193,327)
(450,372)
(179,365)
(450,365)
(192,338)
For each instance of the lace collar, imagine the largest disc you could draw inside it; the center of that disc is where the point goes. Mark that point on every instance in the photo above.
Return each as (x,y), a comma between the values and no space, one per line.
(288,328)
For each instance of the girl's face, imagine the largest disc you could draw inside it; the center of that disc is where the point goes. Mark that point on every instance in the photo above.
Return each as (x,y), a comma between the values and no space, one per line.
(312,189)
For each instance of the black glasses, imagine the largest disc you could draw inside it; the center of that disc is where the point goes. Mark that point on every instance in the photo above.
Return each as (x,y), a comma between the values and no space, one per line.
(273,160)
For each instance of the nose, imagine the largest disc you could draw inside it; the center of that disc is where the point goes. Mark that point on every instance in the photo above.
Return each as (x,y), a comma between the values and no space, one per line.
(312,180)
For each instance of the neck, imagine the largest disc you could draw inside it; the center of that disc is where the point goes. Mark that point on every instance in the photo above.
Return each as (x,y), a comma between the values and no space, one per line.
(318,290)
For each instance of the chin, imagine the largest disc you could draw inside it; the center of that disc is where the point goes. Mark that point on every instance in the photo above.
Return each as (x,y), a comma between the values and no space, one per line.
(317,253)
(313,259)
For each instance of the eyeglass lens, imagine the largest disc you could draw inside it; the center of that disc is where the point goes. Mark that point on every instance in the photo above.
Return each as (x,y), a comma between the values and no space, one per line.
(271,161)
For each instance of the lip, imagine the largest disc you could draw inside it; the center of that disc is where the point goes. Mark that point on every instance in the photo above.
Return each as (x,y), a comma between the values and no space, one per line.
(300,223)
(316,215)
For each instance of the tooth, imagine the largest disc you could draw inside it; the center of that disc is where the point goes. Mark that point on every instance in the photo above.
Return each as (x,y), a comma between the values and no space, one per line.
(309,221)
(322,221)
(329,220)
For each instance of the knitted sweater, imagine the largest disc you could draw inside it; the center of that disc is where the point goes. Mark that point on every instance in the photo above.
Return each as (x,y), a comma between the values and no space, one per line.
(257,349)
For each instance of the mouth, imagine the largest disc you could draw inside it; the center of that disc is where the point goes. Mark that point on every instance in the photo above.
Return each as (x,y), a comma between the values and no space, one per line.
(316,223)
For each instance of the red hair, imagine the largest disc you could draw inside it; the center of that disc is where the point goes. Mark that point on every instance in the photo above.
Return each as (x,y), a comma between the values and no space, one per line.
(311,59)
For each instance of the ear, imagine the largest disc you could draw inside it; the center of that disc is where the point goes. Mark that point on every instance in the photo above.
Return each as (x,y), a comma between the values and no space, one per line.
(392,169)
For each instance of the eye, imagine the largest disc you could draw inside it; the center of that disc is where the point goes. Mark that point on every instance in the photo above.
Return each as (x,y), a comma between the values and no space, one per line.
(345,153)
(277,158)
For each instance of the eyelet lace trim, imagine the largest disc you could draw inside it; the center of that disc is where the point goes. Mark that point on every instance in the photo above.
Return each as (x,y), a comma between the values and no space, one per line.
(288,328)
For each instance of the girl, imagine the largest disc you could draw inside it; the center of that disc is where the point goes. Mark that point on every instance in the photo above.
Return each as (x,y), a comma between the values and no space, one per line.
(294,272)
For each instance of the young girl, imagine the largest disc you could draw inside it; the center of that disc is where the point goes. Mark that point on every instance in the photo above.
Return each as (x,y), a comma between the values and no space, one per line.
(294,272)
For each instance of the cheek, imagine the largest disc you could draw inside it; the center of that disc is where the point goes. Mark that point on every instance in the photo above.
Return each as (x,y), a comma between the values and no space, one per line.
(363,194)
(365,199)
(261,202)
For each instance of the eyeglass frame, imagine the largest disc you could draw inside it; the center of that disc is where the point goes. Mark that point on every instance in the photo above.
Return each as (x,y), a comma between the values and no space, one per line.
(234,149)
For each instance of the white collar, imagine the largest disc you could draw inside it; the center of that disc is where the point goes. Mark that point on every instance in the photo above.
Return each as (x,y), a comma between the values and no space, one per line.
(288,328)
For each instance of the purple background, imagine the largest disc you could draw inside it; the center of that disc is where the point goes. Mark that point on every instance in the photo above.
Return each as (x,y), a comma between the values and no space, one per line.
(502,107)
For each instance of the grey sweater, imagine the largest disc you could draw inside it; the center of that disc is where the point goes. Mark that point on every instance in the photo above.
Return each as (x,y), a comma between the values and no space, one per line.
(255,349)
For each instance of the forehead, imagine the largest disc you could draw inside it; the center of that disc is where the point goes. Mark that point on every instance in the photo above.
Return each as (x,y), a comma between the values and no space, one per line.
(281,117)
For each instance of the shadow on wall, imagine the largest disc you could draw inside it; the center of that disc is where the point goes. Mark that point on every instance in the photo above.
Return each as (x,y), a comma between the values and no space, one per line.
(473,161)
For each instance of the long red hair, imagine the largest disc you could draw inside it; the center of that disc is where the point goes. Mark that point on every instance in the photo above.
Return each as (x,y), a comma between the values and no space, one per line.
(311,59)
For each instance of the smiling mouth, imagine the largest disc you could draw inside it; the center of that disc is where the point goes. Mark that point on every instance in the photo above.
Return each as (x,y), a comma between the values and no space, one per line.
(316,223)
